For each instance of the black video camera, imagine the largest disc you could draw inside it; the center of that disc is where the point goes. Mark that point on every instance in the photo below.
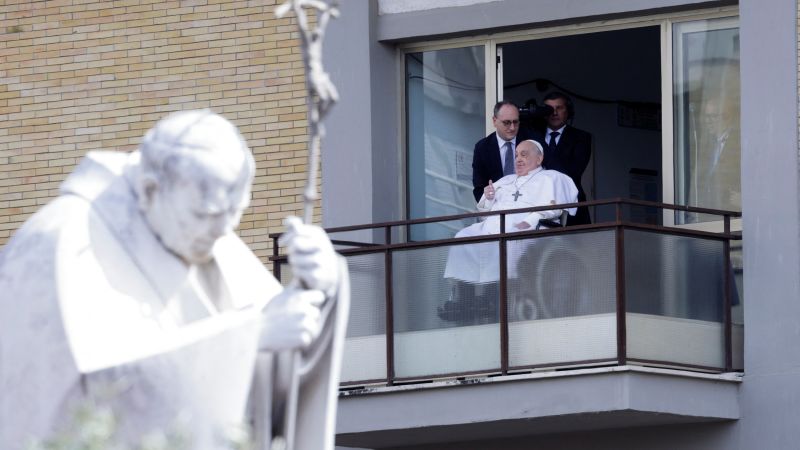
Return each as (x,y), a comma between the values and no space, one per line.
(533,116)
(531,110)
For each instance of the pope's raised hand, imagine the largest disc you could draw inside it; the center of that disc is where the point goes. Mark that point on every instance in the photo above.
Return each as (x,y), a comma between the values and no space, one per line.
(311,256)
(291,320)
(488,191)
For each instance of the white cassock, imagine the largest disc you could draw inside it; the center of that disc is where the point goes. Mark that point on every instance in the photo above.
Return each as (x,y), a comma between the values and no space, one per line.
(93,306)
(479,263)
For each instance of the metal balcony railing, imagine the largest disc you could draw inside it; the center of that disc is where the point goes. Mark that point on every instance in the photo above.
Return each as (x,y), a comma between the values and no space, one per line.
(610,293)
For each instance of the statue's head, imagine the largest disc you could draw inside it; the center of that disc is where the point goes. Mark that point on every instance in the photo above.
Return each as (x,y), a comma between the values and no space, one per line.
(194,181)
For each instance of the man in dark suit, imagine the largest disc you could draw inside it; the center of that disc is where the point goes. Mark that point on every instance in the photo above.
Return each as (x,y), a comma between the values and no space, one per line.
(493,156)
(567,149)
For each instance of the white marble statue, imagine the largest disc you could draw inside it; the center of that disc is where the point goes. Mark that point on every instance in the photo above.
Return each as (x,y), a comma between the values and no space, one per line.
(132,290)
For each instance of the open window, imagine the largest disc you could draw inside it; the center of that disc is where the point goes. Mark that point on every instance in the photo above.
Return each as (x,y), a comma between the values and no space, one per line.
(614,80)
(660,97)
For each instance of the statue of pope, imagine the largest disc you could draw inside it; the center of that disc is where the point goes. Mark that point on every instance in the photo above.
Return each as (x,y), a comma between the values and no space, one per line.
(132,290)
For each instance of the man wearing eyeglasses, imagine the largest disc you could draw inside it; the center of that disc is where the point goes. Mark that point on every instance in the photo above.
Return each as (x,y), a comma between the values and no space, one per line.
(493,157)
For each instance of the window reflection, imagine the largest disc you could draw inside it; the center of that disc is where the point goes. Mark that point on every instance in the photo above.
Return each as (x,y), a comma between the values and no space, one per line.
(446,114)
(708,150)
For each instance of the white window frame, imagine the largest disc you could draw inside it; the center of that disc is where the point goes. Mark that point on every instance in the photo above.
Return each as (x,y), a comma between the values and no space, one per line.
(667,110)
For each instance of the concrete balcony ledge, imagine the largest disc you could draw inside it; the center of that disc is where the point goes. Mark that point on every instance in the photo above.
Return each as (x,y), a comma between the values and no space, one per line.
(534,403)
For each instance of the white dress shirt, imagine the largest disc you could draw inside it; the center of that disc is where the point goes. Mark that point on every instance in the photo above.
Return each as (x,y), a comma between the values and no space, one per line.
(558,138)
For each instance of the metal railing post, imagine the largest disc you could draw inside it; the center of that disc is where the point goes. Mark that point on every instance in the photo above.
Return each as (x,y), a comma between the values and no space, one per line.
(389,307)
(503,293)
(727,292)
(622,344)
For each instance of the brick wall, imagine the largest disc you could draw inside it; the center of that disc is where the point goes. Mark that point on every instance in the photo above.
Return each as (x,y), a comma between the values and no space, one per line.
(80,75)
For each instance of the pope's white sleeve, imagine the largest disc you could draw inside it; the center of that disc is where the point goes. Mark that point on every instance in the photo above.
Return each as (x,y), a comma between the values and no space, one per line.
(485,204)
(534,217)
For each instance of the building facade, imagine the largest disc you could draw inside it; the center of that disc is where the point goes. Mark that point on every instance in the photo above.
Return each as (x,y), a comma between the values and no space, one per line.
(649,78)
(417,80)
(79,76)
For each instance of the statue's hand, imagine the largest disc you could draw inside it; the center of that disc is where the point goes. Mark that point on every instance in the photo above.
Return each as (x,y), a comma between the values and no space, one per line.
(311,256)
(291,320)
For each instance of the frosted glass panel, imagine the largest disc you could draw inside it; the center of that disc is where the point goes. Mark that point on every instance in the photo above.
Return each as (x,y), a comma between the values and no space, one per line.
(562,299)
(365,345)
(674,297)
(428,340)
(286,274)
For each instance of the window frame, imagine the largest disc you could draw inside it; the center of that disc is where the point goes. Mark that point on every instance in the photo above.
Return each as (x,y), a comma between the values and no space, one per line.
(493,41)
(669,161)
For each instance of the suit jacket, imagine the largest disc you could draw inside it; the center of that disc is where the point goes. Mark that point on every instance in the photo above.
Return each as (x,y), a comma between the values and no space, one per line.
(571,158)
(486,162)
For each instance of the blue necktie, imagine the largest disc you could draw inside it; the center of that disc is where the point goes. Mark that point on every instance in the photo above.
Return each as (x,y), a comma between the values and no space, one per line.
(508,166)
(552,145)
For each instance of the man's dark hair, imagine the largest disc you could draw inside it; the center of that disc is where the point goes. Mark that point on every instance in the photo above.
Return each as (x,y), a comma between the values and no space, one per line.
(502,103)
(556,95)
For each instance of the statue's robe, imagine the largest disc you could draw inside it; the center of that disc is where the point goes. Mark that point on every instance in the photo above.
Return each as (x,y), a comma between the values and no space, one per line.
(479,263)
(93,306)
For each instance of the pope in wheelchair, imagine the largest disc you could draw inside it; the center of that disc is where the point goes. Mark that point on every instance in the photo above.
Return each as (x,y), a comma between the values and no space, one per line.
(474,267)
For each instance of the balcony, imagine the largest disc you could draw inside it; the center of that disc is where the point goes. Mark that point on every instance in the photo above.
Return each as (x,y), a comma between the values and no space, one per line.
(633,310)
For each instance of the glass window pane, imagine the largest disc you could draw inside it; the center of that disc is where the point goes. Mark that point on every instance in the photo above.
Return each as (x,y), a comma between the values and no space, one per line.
(445,107)
(707,99)
(674,296)
(431,339)
(364,355)
(562,299)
